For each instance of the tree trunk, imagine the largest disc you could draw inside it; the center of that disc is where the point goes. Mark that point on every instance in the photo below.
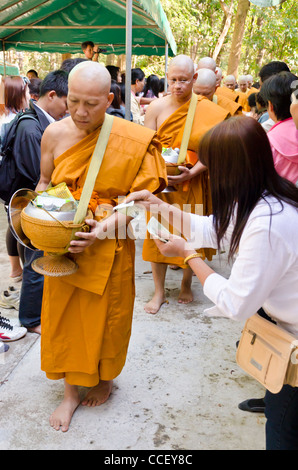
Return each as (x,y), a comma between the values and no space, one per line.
(235,52)
(248,47)
(262,50)
(227,23)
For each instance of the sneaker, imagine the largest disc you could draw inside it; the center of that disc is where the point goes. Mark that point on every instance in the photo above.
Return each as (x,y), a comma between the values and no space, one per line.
(9,332)
(12,321)
(3,347)
(10,299)
(13,289)
(17,278)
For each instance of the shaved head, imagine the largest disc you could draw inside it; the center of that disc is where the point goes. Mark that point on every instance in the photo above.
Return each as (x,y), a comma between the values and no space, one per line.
(230,78)
(218,72)
(181,76)
(89,95)
(230,82)
(205,83)
(250,80)
(242,78)
(207,63)
(243,83)
(91,73)
(206,77)
(184,62)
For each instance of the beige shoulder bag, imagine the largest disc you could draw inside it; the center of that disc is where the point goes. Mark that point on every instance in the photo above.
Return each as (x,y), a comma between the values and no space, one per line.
(268,353)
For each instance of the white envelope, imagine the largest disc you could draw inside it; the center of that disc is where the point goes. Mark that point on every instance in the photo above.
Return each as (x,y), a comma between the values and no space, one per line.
(129,209)
(157,230)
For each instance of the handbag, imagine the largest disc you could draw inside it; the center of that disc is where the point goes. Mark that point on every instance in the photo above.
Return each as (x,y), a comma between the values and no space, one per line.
(268,353)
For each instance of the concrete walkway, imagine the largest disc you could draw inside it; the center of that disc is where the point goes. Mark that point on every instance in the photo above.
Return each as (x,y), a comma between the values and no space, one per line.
(179,390)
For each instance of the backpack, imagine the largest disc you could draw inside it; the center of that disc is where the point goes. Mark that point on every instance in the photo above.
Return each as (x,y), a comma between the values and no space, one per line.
(8,167)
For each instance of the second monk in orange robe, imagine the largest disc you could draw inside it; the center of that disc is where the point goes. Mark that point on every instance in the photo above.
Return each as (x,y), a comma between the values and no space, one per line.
(168,115)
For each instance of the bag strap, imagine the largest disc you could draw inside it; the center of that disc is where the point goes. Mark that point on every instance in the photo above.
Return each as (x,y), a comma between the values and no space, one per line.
(187,128)
(94,167)
(7,140)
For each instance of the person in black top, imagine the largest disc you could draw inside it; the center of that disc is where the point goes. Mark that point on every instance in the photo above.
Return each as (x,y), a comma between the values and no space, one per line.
(51,106)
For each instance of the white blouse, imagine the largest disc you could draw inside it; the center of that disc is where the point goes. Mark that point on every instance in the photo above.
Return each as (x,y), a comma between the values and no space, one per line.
(265,271)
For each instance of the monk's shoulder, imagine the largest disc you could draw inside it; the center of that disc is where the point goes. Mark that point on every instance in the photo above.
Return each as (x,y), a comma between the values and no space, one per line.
(53,130)
(212,109)
(132,131)
(159,104)
(225,101)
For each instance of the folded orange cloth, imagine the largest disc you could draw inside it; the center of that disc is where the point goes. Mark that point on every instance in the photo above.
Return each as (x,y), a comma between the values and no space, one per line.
(95,200)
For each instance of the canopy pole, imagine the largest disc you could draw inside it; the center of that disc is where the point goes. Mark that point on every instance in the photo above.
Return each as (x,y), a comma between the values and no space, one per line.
(166,65)
(128,50)
(4,61)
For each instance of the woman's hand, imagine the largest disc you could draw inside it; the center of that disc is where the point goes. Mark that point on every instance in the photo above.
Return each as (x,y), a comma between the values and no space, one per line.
(86,238)
(144,199)
(176,246)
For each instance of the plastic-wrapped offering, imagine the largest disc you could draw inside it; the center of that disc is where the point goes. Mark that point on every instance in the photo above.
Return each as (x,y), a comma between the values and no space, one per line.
(53,203)
(170,155)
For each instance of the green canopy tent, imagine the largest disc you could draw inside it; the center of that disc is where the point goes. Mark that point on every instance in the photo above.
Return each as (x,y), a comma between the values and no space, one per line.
(9,69)
(131,27)
(62,25)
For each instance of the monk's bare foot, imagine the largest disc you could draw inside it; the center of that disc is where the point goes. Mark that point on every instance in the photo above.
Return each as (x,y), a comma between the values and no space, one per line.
(174,267)
(62,416)
(155,303)
(186,295)
(98,394)
(36,329)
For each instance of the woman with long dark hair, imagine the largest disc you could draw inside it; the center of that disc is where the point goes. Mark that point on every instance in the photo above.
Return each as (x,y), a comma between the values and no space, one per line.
(151,89)
(116,108)
(16,96)
(255,214)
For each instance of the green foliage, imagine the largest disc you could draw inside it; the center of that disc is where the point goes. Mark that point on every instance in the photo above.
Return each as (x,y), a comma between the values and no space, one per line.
(270,33)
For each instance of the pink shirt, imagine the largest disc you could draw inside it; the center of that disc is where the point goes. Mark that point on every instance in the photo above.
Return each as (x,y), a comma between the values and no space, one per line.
(283,137)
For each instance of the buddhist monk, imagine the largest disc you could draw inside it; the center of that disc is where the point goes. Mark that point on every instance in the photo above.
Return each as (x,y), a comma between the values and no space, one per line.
(168,116)
(207,63)
(243,93)
(219,76)
(206,85)
(228,88)
(250,81)
(230,82)
(86,316)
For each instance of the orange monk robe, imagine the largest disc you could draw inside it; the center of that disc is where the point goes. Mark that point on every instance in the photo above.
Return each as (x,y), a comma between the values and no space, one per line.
(243,98)
(195,194)
(227,92)
(86,317)
(231,106)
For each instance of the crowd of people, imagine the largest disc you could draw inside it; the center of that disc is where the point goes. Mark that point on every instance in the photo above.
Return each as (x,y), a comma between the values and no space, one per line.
(239,167)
